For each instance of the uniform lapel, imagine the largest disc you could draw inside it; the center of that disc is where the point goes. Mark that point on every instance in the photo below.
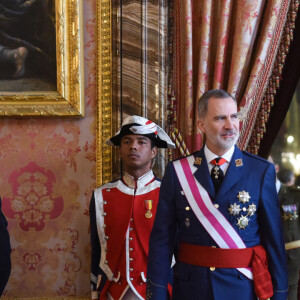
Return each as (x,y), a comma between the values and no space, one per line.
(202,173)
(234,172)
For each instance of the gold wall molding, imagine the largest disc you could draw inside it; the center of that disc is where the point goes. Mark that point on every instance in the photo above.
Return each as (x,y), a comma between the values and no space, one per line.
(68,99)
(104,93)
(132,73)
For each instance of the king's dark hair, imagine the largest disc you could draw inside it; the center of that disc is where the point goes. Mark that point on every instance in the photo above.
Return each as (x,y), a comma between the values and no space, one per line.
(203,101)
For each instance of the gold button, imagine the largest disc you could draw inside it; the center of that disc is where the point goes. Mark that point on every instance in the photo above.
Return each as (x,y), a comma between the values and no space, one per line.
(213,246)
(212,268)
(216,205)
(187,208)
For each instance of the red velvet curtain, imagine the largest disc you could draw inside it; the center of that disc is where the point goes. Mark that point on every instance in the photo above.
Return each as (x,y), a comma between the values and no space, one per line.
(238,46)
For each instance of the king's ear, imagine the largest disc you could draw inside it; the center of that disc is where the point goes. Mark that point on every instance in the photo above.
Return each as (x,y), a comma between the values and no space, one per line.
(200,125)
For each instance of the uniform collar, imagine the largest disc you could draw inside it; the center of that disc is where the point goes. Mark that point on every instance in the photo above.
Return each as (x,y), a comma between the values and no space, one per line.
(140,182)
(210,155)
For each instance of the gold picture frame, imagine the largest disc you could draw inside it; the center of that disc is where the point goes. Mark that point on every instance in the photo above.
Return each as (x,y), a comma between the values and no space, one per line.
(68,99)
(104,92)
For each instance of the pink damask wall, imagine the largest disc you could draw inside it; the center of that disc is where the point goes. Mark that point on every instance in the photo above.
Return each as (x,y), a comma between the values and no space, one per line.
(48,171)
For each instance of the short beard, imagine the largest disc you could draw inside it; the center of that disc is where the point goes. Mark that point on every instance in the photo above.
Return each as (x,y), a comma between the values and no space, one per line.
(228,143)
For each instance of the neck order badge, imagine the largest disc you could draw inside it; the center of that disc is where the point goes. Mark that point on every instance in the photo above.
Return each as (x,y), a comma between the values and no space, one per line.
(217,162)
(216,173)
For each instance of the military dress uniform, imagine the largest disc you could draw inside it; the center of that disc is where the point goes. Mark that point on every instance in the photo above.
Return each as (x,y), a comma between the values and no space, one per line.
(122,214)
(121,217)
(289,199)
(247,199)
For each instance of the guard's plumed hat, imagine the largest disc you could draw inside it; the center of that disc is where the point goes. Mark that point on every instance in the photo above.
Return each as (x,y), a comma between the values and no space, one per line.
(142,126)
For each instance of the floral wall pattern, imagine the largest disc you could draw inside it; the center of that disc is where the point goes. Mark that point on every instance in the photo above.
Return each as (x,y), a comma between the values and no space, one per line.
(48,169)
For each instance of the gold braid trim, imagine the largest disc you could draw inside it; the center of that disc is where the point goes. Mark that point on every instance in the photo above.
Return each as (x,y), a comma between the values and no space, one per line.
(274,81)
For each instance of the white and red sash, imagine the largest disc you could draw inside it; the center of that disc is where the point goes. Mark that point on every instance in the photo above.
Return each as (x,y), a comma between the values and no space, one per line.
(209,216)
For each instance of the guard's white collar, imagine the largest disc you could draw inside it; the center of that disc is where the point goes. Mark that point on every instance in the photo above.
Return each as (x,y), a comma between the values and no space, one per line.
(140,182)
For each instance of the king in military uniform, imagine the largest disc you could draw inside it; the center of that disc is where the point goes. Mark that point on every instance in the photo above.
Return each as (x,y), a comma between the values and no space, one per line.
(122,214)
(218,212)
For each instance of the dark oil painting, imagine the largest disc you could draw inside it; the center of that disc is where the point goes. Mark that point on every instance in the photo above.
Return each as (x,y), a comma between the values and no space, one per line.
(27,45)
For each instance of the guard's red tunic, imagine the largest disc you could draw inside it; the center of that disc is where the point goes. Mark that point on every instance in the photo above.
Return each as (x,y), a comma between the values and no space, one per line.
(124,218)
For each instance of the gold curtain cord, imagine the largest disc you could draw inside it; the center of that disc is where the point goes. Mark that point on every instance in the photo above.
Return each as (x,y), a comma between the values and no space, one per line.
(180,144)
(274,81)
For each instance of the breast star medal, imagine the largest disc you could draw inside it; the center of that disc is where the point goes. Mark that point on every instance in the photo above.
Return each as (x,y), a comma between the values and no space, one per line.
(251,209)
(234,209)
(244,197)
(148,205)
(243,222)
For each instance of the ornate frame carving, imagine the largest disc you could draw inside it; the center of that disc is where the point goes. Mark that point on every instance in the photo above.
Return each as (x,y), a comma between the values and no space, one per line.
(104,93)
(68,99)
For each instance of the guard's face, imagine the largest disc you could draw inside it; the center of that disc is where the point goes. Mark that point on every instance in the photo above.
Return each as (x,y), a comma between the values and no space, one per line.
(220,125)
(136,153)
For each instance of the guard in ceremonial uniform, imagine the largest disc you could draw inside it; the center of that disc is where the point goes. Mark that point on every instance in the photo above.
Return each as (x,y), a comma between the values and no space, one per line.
(289,198)
(218,212)
(122,214)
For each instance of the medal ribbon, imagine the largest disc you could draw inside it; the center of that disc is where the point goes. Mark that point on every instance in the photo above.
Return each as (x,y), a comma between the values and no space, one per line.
(148,205)
(220,163)
(209,216)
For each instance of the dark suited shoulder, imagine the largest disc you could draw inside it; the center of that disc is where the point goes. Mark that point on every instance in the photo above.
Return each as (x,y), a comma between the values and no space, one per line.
(5,250)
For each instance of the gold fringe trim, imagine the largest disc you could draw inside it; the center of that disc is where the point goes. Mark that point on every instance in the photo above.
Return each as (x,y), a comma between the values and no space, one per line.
(274,81)
(172,102)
